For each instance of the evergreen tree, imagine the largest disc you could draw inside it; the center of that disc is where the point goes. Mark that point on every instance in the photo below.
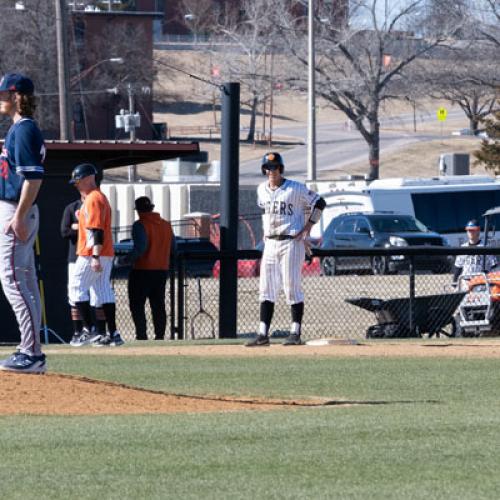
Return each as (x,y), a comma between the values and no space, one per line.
(489,154)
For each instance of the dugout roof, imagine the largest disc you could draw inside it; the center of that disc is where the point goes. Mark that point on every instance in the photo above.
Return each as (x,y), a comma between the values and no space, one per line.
(63,156)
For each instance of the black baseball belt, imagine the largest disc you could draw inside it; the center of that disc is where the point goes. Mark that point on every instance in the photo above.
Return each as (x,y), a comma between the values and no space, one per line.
(280,237)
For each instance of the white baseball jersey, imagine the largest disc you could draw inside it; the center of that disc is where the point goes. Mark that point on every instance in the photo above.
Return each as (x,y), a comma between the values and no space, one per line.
(284,215)
(285,207)
(471,264)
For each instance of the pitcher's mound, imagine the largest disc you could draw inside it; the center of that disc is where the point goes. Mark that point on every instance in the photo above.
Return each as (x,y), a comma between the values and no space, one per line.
(54,394)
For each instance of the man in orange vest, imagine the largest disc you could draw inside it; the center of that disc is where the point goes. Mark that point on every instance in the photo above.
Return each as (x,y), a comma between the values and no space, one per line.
(153,242)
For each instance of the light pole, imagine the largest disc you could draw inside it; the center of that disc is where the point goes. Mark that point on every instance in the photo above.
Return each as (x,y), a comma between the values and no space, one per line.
(191,17)
(132,169)
(129,120)
(311,110)
(131,108)
(62,70)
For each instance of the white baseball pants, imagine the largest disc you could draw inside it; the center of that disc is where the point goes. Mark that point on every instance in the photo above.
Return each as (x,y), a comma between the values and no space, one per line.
(281,266)
(71,272)
(84,281)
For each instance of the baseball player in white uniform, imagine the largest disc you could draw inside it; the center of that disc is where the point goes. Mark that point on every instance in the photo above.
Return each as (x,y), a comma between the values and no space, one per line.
(286,205)
(465,265)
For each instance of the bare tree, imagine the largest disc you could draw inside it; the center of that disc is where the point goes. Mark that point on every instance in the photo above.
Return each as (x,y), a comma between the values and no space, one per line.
(489,154)
(441,15)
(467,74)
(29,41)
(361,63)
(251,36)
(93,88)
(198,16)
(491,30)
(34,54)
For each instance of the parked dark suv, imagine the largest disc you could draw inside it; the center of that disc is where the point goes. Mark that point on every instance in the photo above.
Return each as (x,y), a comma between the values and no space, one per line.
(379,230)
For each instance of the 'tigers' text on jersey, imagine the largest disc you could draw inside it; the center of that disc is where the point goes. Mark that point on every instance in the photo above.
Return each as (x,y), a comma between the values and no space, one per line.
(278,208)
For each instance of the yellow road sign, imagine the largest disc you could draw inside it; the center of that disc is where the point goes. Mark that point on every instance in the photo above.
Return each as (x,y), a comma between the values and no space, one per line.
(442,113)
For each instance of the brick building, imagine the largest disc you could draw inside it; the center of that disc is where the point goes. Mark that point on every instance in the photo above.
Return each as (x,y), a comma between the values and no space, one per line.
(93,27)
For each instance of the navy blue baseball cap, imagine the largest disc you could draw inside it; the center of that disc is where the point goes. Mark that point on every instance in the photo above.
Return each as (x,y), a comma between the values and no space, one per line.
(17,83)
(472,225)
(81,171)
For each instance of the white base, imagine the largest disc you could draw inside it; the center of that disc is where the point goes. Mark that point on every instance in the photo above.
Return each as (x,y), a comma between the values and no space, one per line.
(320,342)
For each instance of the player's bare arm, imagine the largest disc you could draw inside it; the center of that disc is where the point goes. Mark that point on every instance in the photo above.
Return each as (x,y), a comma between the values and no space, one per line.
(29,193)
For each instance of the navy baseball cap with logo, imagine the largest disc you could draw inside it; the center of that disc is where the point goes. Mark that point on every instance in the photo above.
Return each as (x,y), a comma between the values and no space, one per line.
(17,83)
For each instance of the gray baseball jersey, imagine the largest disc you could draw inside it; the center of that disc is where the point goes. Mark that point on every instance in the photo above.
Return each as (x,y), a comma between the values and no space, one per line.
(472,264)
(284,217)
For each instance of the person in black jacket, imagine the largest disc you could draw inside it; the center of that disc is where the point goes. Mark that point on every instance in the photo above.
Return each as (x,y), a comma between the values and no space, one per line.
(69,231)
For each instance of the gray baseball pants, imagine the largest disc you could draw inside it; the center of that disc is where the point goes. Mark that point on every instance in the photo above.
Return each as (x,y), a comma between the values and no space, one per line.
(18,277)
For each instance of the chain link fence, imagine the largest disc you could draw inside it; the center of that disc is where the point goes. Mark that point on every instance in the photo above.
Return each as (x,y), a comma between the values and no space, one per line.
(351,304)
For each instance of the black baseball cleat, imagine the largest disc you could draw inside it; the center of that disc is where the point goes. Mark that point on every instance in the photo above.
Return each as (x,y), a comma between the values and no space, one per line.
(260,340)
(292,339)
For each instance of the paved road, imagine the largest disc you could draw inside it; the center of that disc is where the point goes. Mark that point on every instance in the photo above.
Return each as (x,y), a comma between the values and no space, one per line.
(337,147)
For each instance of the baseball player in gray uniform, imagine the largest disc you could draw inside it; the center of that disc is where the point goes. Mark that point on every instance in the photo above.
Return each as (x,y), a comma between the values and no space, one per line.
(21,173)
(466,265)
(285,204)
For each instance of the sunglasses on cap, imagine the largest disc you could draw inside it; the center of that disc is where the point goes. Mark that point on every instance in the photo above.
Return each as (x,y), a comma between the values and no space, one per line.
(271,166)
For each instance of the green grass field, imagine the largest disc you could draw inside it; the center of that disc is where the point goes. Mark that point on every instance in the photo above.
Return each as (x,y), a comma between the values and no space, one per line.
(430,429)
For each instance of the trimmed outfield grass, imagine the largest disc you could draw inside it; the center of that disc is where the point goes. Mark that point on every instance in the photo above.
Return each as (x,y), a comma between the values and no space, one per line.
(431,431)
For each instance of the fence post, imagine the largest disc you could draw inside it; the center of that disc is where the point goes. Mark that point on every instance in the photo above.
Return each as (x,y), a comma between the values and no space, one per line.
(411,309)
(229,189)
(180,296)
(171,274)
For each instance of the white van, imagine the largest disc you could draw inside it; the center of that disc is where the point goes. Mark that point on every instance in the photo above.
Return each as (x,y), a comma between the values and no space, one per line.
(443,204)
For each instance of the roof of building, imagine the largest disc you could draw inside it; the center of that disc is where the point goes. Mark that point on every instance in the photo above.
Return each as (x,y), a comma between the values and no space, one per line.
(62,156)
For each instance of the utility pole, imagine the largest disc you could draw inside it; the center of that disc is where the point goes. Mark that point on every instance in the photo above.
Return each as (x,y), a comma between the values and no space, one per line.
(132,169)
(265,100)
(129,120)
(271,104)
(311,93)
(62,70)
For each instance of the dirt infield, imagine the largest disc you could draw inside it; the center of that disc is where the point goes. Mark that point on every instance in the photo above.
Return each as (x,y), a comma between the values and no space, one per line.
(55,394)
(455,348)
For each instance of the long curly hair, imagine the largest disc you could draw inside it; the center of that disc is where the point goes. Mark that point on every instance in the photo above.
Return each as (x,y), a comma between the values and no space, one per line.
(26,104)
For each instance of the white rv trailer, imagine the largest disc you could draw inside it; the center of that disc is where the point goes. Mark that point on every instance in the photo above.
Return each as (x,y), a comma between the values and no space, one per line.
(443,204)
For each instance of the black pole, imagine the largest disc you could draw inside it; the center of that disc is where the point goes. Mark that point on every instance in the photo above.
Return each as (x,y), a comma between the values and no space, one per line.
(229,186)
(486,229)
(171,275)
(181,277)
(411,309)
